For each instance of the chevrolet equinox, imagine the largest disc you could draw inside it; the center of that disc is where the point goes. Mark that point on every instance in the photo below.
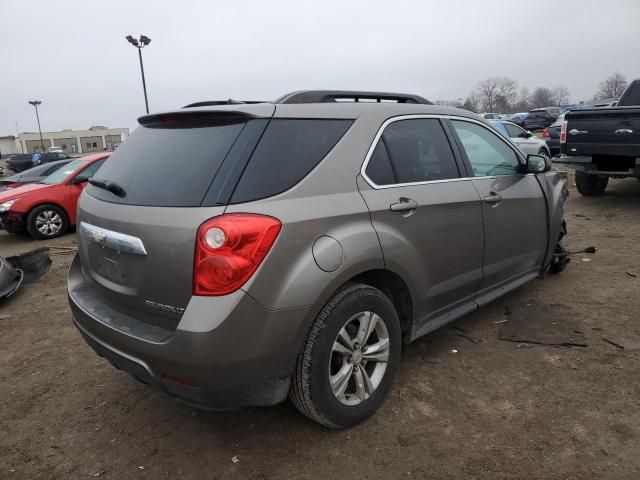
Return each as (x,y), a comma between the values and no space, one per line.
(236,253)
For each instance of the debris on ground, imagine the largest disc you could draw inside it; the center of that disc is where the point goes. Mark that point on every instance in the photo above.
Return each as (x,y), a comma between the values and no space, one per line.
(611,342)
(235,458)
(631,274)
(624,343)
(5,317)
(24,268)
(545,325)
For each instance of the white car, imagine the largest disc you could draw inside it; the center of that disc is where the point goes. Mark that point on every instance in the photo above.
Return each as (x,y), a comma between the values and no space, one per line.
(526,141)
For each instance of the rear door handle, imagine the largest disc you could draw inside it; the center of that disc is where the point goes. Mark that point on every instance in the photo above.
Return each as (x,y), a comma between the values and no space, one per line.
(404,205)
(494,198)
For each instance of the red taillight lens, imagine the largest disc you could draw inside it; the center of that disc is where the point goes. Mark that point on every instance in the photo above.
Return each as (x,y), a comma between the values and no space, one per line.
(563,132)
(545,133)
(229,250)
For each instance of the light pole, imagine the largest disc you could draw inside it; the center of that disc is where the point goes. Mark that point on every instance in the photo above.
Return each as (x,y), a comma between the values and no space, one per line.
(35,104)
(140,44)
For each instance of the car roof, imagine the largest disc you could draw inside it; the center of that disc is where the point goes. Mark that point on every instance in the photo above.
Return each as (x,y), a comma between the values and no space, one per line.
(321,104)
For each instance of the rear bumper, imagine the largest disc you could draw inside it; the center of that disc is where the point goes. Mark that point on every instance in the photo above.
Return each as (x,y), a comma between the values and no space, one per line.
(586,164)
(226,351)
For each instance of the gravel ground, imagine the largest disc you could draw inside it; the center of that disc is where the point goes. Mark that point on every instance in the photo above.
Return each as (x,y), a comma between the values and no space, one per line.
(491,410)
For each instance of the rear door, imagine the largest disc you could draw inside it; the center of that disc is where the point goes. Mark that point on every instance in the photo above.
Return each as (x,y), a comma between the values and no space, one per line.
(513,206)
(427,216)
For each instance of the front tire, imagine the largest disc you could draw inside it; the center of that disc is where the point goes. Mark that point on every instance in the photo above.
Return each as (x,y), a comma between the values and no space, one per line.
(591,185)
(47,221)
(350,358)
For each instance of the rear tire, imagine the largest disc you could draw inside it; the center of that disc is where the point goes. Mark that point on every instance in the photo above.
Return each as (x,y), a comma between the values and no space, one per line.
(47,221)
(339,382)
(591,185)
(544,153)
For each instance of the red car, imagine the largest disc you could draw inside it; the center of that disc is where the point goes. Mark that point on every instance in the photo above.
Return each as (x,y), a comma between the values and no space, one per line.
(47,209)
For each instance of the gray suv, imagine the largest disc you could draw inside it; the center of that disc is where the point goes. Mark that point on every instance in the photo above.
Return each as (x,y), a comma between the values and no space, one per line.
(234,254)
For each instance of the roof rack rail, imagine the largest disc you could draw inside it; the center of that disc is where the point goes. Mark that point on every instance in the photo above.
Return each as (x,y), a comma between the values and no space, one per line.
(231,101)
(332,96)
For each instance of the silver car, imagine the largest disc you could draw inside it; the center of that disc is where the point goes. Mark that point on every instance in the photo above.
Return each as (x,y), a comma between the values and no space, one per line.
(526,141)
(236,254)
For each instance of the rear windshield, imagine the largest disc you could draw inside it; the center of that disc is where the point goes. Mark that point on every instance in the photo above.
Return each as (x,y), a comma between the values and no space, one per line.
(168,166)
(64,172)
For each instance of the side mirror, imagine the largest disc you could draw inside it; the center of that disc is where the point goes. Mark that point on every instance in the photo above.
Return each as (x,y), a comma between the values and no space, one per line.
(79,179)
(538,164)
(526,135)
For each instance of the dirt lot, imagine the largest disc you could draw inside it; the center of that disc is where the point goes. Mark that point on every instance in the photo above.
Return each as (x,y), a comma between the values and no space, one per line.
(493,410)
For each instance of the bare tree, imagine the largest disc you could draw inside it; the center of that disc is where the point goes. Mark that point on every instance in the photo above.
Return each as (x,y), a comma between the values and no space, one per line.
(560,95)
(541,97)
(613,86)
(472,101)
(487,90)
(508,90)
(524,100)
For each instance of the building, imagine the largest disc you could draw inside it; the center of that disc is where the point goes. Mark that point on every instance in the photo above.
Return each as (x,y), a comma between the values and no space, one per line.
(95,139)
(8,145)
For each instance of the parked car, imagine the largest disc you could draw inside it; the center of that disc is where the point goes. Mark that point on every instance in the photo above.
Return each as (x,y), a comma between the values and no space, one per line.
(22,162)
(47,209)
(540,118)
(600,143)
(33,175)
(517,118)
(526,141)
(225,285)
(551,135)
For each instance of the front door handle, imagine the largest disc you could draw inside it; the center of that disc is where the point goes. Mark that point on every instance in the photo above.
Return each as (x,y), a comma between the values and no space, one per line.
(404,205)
(494,198)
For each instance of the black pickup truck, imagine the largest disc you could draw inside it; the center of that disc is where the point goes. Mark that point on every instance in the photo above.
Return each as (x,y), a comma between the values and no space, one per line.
(600,143)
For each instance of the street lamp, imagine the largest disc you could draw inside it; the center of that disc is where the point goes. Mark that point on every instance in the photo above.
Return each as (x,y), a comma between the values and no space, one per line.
(35,104)
(140,44)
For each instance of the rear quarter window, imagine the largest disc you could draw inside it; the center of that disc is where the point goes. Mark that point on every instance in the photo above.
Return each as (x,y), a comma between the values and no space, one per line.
(288,150)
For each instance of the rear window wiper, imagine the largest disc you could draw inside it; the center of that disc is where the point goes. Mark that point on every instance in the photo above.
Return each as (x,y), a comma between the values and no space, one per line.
(108,185)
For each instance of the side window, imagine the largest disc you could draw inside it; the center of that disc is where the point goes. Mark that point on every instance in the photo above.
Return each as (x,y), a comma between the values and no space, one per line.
(418,151)
(487,153)
(514,130)
(91,170)
(288,150)
(379,168)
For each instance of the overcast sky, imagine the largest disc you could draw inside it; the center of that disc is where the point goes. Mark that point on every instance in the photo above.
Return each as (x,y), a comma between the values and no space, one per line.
(73,56)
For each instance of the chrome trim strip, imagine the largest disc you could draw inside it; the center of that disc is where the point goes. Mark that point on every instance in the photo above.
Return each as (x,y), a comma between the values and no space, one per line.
(374,144)
(110,239)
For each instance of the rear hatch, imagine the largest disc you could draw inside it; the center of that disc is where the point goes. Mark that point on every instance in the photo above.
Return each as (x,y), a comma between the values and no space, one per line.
(607,131)
(174,172)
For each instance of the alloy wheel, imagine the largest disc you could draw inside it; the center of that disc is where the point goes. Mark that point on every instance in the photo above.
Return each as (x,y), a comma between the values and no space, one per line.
(359,358)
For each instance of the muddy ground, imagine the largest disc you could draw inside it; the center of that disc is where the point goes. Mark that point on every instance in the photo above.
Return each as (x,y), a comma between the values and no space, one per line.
(492,410)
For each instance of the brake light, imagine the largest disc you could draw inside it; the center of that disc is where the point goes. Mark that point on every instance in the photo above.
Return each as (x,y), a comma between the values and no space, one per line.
(545,133)
(229,249)
(563,132)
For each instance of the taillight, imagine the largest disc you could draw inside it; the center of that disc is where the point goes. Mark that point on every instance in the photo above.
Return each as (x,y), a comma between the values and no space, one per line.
(545,133)
(229,250)
(563,132)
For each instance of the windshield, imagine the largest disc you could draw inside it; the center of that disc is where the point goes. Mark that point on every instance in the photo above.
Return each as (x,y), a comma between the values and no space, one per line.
(59,175)
(500,127)
(558,121)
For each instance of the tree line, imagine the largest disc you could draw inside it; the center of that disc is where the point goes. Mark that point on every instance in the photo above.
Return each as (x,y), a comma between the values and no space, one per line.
(504,95)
